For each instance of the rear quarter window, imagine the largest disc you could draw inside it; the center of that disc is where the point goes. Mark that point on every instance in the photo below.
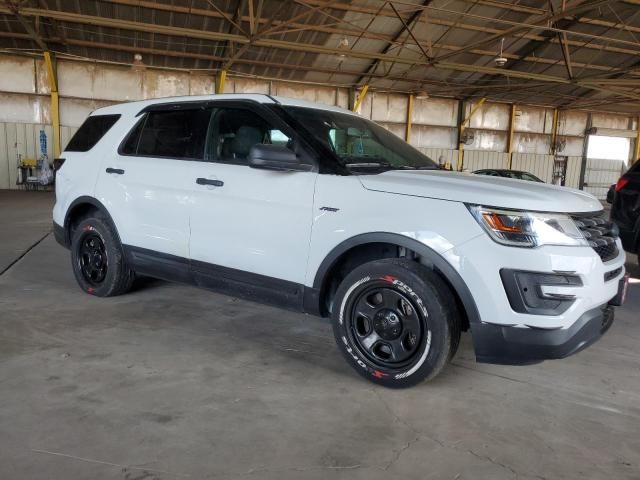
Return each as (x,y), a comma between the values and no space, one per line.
(90,133)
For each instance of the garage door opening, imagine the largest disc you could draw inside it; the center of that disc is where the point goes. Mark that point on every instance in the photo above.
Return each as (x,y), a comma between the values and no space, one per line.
(608,148)
(607,159)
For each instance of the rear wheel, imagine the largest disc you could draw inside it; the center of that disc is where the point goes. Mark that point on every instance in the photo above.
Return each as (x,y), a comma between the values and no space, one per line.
(97,259)
(395,321)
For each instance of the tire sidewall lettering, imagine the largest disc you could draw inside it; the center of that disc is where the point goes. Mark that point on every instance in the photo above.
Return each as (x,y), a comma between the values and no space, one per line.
(351,352)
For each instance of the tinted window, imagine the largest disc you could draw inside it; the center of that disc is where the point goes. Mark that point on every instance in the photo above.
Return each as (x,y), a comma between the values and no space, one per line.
(130,145)
(173,134)
(91,131)
(522,176)
(490,173)
(234,131)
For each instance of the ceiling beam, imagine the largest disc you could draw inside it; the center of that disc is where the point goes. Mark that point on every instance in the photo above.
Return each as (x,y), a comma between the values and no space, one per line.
(292,46)
(365,10)
(373,35)
(526,51)
(549,18)
(77,18)
(542,25)
(531,59)
(445,89)
(502,5)
(406,27)
(562,37)
(14,9)
(213,58)
(59,31)
(233,21)
(396,38)
(267,28)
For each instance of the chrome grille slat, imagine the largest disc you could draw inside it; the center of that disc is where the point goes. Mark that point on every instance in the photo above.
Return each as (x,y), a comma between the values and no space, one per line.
(600,233)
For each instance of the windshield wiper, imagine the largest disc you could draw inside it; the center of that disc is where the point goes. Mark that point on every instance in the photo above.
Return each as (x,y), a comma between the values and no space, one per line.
(372,165)
(385,166)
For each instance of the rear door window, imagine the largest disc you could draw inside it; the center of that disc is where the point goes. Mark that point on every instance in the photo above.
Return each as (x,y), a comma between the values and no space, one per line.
(179,134)
(90,133)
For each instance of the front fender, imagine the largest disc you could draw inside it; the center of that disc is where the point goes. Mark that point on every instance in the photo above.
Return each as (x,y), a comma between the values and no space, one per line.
(427,254)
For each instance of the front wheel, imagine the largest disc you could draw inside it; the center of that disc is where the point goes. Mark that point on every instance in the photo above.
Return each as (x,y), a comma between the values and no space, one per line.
(395,321)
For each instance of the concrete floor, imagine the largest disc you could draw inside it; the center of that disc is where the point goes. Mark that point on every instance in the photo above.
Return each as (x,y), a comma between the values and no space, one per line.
(25,218)
(175,382)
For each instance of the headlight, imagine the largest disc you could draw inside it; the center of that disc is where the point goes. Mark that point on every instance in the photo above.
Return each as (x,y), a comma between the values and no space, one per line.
(528,229)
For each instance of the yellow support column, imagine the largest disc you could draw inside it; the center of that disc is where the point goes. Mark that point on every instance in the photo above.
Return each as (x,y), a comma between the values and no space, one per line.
(407,135)
(361,96)
(221,78)
(461,131)
(55,102)
(512,124)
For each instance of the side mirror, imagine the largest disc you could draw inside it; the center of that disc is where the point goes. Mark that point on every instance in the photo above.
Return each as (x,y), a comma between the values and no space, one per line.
(276,157)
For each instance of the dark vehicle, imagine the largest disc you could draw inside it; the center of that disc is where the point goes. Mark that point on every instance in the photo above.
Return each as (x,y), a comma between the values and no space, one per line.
(611,193)
(625,211)
(517,174)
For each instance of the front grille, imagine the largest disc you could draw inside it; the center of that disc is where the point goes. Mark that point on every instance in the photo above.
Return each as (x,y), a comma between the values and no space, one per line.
(612,274)
(600,233)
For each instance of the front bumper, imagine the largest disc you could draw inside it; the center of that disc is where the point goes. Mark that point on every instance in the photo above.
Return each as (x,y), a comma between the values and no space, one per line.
(522,346)
(480,260)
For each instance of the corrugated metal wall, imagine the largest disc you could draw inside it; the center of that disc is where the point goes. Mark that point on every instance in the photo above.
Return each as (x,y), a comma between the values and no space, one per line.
(442,156)
(540,165)
(573,171)
(601,174)
(479,159)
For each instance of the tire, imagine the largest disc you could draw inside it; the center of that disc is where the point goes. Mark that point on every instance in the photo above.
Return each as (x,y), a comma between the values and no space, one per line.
(97,259)
(395,321)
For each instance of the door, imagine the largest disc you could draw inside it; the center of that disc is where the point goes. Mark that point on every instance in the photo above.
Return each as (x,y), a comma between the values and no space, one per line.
(250,228)
(147,186)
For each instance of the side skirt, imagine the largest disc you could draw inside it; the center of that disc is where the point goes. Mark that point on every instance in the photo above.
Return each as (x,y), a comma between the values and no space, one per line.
(229,281)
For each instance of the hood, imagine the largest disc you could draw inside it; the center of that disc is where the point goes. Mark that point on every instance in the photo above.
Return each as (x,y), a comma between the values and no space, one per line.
(482,190)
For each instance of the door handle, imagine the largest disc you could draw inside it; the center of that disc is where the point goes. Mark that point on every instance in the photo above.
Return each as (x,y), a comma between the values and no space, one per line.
(119,171)
(208,181)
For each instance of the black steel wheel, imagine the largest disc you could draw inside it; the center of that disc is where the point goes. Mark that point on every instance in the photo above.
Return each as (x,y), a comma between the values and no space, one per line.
(395,321)
(93,259)
(386,324)
(98,262)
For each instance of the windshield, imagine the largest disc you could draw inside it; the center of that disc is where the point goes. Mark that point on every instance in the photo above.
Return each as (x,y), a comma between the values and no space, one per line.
(360,143)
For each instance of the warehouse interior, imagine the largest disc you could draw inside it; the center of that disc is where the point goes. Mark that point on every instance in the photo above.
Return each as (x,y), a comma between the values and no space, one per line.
(171,381)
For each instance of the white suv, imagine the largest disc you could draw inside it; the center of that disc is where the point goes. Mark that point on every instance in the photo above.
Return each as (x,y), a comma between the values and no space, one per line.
(316,209)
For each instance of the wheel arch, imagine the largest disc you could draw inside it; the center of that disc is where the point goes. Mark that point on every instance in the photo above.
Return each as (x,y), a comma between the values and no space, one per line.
(428,256)
(79,206)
